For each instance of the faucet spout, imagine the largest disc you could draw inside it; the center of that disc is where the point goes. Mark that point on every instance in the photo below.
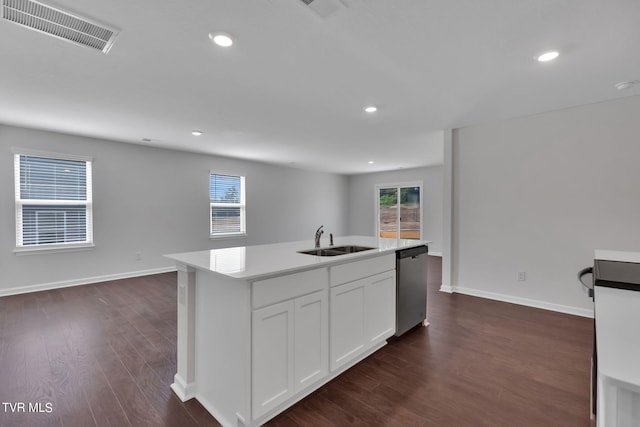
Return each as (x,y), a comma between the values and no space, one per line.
(319,232)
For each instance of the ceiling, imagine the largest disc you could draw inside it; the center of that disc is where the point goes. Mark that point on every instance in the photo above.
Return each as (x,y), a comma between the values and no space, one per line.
(292,88)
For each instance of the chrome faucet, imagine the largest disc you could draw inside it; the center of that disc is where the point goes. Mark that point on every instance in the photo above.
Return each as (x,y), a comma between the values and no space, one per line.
(319,232)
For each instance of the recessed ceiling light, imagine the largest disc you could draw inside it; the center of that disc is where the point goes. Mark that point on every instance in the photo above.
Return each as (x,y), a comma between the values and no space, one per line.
(371,109)
(196,132)
(221,39)
(548,56)
(371,162)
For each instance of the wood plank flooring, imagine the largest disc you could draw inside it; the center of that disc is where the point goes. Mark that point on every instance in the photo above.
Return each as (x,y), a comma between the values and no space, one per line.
(104,355)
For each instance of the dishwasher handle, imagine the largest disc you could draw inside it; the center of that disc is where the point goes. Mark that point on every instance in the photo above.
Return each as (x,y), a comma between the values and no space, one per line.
(411,252)
(589,286)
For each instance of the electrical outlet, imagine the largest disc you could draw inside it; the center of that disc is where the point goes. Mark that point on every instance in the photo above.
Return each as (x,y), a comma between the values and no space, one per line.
(522,276)
(138,256)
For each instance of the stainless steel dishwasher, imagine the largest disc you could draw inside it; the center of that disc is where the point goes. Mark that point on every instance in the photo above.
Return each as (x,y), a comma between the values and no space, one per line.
(411,288)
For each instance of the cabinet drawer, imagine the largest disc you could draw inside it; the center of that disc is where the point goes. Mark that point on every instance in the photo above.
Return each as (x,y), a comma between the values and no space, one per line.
(276,289)
(357,270)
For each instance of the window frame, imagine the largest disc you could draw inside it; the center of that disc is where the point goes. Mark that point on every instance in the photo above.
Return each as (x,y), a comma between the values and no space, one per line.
(242,205)
(88,243)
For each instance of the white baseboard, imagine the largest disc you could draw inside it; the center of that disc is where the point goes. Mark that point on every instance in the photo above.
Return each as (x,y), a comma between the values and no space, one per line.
(212,409)
(82,281)
(577,311)
(435,253)
(183,390)
(447,289)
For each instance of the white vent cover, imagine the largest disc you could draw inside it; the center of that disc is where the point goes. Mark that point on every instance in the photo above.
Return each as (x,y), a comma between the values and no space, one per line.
(59,23)
(324,8)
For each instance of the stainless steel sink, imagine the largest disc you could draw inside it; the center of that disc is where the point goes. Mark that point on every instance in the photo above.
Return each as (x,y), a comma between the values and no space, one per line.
(349,249)
(322,252)
(336,250)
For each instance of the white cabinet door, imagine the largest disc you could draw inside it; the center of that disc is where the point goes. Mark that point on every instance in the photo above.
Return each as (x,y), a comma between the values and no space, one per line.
(272,356)
(347,322)
(311,339)
(380,307)
(363,314)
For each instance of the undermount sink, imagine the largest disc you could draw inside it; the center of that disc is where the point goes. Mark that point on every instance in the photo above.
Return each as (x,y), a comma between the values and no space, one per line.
(336,250)
(351,249)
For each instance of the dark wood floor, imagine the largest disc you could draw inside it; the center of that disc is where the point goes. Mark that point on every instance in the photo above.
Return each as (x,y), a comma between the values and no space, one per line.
(104,354)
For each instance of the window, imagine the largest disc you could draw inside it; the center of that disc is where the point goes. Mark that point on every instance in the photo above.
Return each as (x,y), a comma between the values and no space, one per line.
(398,211)
(53,202)
(228,211)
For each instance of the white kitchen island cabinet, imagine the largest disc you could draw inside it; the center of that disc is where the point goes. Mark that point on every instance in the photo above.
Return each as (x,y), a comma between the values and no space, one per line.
(260,327)
(272,358)
(363,309)
(617,315)
(311,339)
(289,339)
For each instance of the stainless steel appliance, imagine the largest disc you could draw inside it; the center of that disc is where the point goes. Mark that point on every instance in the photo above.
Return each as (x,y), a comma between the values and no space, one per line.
(411,289)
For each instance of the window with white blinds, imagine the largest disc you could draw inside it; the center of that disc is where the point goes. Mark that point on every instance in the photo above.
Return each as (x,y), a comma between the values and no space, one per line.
(53,202)
(227,205)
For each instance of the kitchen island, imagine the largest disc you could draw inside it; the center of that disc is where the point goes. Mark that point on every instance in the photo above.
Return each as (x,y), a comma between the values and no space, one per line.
(260,327)
(617,315)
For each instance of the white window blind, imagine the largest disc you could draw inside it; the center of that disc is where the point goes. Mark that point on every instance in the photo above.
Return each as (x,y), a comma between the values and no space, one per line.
(53,202)
(227,204)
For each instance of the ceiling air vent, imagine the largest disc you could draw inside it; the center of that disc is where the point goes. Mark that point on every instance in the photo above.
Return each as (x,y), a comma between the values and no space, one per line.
(59,23)
(324,8)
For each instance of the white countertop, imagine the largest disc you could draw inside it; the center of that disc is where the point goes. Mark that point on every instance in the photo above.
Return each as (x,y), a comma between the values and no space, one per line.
(622,256)
(252,262)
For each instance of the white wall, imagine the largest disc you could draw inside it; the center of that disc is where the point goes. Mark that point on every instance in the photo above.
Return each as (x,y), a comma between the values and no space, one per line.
(156,201)
(538,194)
(362,202)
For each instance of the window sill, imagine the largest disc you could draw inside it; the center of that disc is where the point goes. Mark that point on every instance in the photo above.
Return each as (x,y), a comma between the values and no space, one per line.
(227,236)
(53,248)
